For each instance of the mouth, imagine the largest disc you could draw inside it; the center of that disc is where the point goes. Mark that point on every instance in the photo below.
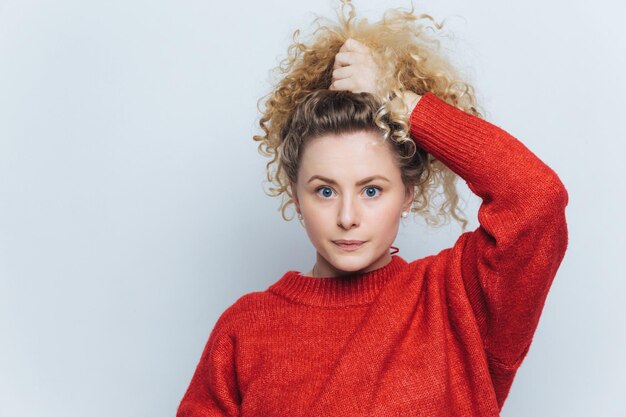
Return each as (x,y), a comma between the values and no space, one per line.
(349,245)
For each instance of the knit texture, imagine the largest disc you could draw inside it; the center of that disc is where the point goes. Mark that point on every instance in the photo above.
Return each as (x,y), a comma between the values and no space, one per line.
(439,336)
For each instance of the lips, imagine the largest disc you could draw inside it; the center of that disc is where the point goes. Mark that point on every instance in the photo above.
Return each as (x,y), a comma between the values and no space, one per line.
(349,244)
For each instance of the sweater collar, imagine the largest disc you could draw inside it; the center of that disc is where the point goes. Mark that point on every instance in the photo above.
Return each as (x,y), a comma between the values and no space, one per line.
(343,291)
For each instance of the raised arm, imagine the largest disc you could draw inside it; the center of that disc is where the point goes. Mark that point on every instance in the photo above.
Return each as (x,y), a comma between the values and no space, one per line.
(506,266)
(509,262)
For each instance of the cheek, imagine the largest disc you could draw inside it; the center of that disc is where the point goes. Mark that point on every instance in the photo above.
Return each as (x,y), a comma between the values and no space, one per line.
(319,224)
(386,223)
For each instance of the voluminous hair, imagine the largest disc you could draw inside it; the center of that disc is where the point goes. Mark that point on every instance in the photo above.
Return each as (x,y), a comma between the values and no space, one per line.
(301,106)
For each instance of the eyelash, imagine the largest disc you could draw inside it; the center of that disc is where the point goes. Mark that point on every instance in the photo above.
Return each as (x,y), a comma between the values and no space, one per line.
(317,190)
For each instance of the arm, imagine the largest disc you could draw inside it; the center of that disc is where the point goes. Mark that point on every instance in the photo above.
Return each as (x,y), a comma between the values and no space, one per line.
(213,390)
(508,263)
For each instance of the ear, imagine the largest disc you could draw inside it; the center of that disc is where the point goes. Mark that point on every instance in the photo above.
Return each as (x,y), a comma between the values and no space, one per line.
(409,195)
(294,194)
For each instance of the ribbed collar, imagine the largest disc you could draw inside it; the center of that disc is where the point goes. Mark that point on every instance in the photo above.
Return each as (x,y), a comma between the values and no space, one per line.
(343,291)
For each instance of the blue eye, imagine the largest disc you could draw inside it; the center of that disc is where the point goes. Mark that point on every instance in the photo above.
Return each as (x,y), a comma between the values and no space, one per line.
(326,191)
(370,191)
(371,188)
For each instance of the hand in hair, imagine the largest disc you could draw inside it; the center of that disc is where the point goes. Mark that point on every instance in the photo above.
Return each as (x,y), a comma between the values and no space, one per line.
(355,69)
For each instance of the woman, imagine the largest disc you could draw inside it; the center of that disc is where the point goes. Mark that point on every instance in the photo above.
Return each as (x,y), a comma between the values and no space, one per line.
(364,127)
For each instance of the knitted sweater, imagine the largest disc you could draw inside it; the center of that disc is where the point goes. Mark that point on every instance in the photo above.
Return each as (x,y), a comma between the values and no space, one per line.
(439,336)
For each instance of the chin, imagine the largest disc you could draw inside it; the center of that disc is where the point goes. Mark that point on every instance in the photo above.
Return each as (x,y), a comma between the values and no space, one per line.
(351,262)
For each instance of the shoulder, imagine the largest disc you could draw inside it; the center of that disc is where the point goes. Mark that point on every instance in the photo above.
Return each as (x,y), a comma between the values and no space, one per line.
(443,265)
(246,310)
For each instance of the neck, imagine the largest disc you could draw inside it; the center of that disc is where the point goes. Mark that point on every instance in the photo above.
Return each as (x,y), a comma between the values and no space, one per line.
(323,268)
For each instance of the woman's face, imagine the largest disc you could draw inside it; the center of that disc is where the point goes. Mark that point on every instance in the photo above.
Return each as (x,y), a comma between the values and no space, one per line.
(349,188)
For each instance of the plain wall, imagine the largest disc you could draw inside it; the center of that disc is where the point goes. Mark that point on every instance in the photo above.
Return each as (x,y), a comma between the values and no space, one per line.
(132,210)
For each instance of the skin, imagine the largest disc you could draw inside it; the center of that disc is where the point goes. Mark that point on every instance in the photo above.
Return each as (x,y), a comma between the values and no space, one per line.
(356,70)
(343,209)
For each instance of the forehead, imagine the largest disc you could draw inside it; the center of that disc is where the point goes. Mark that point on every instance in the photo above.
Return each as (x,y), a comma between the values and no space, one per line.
(348,154)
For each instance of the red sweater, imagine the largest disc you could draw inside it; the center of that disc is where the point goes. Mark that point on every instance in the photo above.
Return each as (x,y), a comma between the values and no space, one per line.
(439,336)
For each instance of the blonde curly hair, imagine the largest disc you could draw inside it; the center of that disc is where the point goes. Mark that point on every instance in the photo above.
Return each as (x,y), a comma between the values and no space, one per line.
(409,59)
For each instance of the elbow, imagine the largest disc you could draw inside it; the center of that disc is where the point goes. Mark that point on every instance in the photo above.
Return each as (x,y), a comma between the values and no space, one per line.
(557,193)
(561,194)
(553,218)
(554,195)
(545,209)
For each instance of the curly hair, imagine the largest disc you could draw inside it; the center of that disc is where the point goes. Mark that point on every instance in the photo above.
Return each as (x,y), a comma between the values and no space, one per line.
(409,59)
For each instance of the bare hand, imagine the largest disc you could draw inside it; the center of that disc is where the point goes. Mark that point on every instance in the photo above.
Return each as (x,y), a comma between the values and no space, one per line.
(355,69)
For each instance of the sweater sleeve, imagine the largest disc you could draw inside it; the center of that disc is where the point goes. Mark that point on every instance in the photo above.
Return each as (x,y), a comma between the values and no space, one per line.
(213,390)
(508,263)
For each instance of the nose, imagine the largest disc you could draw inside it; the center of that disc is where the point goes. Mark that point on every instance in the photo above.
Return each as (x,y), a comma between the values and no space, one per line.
(349,213)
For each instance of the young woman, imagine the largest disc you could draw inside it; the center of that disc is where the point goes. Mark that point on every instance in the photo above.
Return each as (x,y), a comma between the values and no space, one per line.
(366,124)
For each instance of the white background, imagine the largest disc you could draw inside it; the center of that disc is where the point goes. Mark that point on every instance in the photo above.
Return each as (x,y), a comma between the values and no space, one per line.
(132,210)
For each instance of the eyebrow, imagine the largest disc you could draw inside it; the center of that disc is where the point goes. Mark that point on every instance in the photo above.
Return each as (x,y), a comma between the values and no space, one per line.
(363,181)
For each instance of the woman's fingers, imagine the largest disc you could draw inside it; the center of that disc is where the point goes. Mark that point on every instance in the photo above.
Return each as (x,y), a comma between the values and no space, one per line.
(342,72)
(343,59)
(351,52)
(353,45)
(345,84)
(354,68)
